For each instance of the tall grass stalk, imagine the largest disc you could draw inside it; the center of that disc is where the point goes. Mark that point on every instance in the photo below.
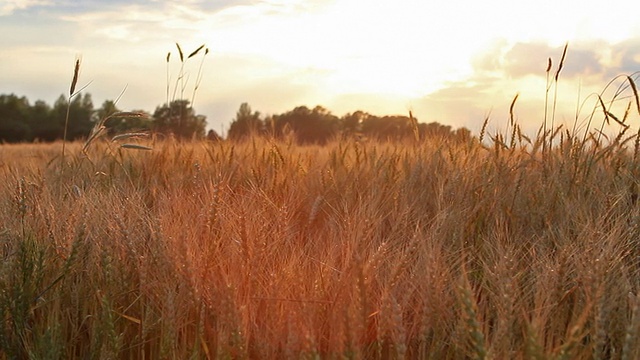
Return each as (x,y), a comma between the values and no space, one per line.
(72,89)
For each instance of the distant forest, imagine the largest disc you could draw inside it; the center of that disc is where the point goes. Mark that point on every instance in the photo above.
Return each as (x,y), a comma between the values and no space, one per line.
(21,121)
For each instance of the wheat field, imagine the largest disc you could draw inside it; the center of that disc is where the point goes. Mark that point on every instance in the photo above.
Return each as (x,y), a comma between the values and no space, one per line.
(358,249)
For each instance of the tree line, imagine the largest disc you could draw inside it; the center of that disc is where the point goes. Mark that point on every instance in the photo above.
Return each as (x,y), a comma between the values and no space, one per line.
(318,126)
(21,121)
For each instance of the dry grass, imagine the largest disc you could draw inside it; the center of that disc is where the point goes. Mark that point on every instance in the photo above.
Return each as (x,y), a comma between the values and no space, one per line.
(524,249)
(358,250)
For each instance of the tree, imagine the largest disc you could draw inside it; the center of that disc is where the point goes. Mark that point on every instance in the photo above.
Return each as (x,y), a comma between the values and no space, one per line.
(246,123)
(142,122)
(213,136)
(388,128)
(80,116)
(14,113)
(42,123)
(315,126)
(108,108)
(351,124)
(179,118)
(121,124)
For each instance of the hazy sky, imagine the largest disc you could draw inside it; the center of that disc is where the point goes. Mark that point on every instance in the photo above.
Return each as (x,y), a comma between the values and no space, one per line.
(450,61)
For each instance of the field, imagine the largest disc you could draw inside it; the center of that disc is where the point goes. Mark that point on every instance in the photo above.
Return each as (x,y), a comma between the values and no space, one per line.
(358,249)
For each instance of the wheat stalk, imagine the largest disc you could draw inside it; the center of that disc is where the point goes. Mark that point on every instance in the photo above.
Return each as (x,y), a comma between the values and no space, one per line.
(72,89)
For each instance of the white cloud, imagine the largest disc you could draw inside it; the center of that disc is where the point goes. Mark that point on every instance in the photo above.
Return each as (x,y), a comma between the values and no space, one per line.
(8,7)
(143,22)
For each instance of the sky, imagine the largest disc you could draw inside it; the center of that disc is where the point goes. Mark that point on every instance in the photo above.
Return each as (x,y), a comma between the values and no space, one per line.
(451,61)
